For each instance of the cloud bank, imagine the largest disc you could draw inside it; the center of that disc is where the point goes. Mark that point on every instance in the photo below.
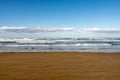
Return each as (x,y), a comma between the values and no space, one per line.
(103,30)
(32,29)
(38,29)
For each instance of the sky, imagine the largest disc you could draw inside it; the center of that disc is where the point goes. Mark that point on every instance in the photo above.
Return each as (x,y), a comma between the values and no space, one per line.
(52,18)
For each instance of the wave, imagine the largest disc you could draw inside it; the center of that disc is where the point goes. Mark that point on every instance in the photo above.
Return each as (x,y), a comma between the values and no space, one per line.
(60,44)
(67,45)
(61,41)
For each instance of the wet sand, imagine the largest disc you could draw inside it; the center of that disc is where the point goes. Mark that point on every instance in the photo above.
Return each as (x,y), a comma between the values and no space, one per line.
(59,66)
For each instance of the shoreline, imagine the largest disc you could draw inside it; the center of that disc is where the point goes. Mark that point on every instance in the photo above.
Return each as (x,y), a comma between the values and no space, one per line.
(61,52)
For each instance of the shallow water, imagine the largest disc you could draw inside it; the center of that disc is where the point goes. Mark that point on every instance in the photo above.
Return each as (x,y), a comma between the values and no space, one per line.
(60,44)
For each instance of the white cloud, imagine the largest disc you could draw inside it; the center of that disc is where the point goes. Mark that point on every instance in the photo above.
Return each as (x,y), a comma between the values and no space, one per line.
(103,30)
(32,29)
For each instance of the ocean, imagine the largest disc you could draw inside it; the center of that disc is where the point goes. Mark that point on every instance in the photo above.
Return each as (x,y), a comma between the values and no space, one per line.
(60,44)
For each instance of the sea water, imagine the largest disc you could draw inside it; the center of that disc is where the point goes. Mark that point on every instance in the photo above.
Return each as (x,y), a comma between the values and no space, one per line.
(60,44)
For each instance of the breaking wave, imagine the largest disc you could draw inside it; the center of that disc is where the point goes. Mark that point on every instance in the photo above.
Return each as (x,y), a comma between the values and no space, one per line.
(60,44)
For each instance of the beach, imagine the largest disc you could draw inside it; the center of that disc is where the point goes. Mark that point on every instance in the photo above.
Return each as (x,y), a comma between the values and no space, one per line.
(59,66)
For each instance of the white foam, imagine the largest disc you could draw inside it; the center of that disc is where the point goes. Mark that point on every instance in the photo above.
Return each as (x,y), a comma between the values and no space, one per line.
(78,44)
(92,44)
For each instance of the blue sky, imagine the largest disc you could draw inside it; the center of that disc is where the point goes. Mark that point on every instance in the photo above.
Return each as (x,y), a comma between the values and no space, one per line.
(59,14)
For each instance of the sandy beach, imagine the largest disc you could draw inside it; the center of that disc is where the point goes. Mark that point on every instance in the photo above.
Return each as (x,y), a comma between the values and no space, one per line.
(59,66)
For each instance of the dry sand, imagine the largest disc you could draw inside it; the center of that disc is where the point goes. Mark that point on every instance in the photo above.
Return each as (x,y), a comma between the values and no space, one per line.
(59,66)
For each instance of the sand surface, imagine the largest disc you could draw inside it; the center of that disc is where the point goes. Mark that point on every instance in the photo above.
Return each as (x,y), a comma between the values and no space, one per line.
(59,66)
